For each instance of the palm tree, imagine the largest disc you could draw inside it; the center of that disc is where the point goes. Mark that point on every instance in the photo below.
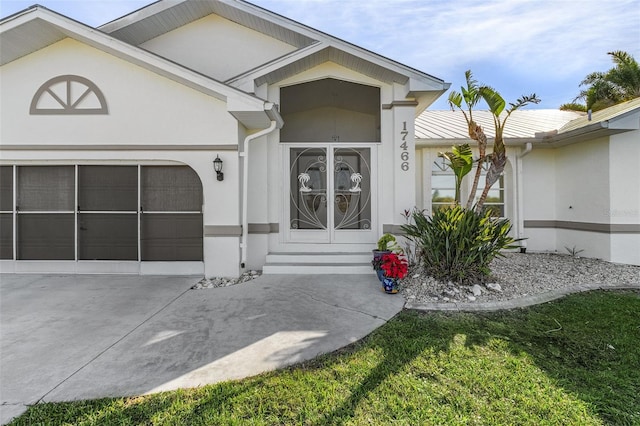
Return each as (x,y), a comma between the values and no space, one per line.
(498,157)
(621,83)
(471,95)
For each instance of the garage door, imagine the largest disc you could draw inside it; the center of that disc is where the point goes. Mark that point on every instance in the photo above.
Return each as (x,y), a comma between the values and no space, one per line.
(100,212)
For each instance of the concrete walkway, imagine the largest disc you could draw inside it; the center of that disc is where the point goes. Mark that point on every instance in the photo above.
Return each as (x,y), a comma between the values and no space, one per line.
(79,337)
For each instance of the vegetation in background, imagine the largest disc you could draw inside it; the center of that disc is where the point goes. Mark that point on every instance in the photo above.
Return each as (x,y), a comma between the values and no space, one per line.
(604,89)
(569,362)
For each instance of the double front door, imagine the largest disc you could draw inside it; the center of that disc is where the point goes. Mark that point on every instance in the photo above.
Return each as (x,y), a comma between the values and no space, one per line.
(330,190)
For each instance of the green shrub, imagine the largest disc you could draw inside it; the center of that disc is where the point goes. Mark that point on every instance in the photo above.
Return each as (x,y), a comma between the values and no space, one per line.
(458,244)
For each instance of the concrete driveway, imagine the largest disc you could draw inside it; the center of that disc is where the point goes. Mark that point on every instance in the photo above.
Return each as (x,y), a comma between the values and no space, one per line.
(74,337)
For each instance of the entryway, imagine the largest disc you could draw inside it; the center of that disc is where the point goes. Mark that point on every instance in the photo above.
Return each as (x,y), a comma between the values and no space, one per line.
(329,194)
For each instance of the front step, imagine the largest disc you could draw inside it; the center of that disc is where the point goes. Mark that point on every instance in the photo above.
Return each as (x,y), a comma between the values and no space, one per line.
(318,263)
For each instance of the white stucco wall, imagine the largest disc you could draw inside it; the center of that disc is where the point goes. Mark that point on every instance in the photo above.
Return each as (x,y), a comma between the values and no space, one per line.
(539,179)
(217,47)
(624,187)
(539,198)
(582,182)
(144,108)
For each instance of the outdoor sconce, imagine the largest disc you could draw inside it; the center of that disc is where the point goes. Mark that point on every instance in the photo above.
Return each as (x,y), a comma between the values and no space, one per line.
(217,166)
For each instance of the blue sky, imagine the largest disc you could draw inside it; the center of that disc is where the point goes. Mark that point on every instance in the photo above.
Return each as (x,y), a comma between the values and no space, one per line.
(517,46)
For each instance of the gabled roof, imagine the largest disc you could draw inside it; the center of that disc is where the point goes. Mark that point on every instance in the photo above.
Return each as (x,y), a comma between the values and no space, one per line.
(166,15)
(449,127)
(38,27)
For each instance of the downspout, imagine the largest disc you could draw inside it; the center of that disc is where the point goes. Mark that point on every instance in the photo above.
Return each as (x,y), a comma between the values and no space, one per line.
(276,121)
(520,195)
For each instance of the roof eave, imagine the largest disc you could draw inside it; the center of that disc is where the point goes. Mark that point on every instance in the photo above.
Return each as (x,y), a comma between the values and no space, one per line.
(148,60)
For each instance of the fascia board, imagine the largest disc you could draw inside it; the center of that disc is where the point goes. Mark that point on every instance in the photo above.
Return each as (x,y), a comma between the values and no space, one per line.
(630,120)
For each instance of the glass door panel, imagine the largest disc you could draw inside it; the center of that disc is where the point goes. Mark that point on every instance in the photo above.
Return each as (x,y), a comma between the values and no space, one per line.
(351,188)
(330,194)
(308,189)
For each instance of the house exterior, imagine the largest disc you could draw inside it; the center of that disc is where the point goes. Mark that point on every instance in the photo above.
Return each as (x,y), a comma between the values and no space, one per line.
(109,137)
(572,181)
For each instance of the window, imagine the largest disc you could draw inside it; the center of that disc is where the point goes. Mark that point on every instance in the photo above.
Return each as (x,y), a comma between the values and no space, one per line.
(443,184)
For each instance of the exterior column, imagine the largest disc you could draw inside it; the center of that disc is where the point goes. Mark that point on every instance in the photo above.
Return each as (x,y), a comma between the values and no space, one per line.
(404,161)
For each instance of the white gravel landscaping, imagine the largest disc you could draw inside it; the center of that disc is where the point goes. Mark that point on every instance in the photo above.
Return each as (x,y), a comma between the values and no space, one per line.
(518,275)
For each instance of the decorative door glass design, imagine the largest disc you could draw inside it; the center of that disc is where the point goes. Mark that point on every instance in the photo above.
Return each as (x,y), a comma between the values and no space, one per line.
(308,188)
(330,189)
(352,190)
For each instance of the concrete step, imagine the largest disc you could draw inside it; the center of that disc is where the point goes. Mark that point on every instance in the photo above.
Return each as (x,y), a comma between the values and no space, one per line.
(322,258)
(318,263)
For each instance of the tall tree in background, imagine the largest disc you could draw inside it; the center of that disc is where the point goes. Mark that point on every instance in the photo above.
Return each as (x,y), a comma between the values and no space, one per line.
(604,89)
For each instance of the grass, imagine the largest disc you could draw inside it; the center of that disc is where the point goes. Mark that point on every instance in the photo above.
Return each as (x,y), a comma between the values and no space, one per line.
(571,362)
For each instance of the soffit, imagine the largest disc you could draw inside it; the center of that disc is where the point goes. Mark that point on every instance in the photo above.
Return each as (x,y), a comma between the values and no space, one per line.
(160,18)
(331,54)
(28,38)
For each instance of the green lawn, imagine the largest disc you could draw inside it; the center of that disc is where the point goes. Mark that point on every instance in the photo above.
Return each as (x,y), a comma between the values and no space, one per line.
(571,362)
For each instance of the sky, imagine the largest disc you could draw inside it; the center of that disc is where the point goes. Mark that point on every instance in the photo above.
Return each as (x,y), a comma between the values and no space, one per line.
(518,47)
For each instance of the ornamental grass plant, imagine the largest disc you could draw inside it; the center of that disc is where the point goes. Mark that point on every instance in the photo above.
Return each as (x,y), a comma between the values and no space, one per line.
(458,244)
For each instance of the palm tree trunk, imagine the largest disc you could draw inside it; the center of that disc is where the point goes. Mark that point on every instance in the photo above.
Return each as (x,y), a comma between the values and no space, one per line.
(476,133)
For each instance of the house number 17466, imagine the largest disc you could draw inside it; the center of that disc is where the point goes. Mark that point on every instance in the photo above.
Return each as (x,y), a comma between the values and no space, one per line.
(404,155)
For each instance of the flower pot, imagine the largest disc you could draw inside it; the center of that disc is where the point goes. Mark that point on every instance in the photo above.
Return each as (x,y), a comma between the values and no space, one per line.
(390,285)
(377,258)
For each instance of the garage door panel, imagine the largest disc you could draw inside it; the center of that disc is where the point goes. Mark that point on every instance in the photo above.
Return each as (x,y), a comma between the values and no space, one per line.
(108,236)
(171,237)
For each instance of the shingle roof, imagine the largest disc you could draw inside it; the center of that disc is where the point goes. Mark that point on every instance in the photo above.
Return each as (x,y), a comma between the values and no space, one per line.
(433,125)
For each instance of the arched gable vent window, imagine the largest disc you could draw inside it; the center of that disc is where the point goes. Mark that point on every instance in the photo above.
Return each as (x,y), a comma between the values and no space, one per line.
(68,94)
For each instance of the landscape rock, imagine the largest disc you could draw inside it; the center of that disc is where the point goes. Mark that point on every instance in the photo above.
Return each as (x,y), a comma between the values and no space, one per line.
(519,275)
(494,287)
(476,290)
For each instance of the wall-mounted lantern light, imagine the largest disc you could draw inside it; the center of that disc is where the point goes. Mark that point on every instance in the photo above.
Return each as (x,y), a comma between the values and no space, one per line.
(217,166)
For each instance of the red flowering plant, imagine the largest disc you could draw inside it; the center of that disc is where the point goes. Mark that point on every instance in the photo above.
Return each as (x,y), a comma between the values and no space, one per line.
(394,266)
